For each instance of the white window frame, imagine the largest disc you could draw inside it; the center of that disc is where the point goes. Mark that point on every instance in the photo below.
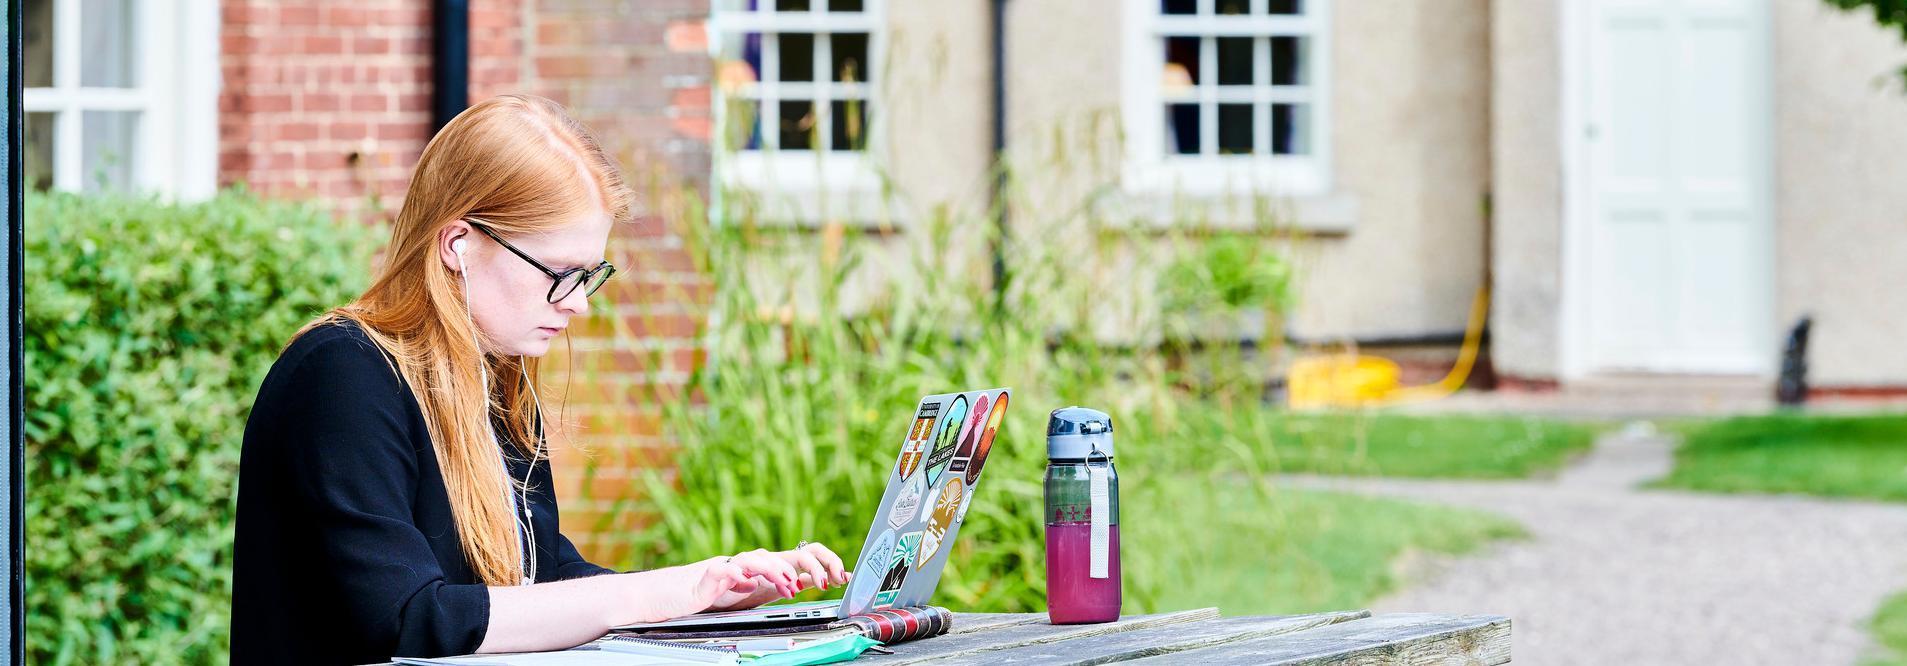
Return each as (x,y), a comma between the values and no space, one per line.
(1150,171)
(799,172)
(800,176)
(177,61)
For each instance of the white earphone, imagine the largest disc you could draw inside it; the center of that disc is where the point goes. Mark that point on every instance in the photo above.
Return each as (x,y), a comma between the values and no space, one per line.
(522,495)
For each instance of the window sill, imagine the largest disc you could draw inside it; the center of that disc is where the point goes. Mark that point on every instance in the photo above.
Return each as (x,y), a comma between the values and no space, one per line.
(1333,214)
(805,190)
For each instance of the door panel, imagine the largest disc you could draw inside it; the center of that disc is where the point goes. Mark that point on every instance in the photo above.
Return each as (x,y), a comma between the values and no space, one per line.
(1679,239)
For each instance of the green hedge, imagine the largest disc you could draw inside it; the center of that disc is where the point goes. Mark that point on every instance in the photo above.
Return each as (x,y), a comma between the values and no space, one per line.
(148,329)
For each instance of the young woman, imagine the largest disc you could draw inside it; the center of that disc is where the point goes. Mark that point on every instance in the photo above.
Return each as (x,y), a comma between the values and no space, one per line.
(394,487)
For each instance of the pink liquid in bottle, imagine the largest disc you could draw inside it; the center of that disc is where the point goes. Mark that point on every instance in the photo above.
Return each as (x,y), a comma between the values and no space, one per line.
(1073,596)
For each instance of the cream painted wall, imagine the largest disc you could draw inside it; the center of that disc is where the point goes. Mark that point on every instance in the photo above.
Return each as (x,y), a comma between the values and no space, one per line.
(1410,148)
(1841,190)
(1527,181)
(1411,105)
(1411,108)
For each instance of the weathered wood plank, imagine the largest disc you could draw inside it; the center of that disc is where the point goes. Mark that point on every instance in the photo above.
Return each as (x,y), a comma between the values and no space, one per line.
(966,623)
(1410,639)
(1152,641)
(954,645)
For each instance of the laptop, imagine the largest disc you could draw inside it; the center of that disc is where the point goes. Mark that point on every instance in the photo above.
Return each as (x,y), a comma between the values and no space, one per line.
(928,491)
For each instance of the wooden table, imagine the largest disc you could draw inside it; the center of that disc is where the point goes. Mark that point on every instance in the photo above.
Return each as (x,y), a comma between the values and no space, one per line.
(1201,636)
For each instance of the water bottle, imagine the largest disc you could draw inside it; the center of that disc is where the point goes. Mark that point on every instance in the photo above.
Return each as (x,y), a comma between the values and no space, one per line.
(1082,518)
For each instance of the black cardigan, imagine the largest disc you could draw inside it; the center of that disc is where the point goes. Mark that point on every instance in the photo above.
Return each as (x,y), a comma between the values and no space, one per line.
(346,551)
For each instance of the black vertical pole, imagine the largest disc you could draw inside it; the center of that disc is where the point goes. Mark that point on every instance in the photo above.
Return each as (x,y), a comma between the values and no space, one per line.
(449,61)
(999,159)
(16,390)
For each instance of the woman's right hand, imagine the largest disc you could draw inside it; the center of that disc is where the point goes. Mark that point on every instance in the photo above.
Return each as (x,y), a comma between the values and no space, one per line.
(714,583)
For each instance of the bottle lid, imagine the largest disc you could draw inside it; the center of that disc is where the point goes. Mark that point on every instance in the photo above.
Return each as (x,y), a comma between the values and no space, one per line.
(1078,432)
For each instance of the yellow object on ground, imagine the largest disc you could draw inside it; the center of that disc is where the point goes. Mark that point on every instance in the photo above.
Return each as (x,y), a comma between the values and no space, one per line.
(1356,380)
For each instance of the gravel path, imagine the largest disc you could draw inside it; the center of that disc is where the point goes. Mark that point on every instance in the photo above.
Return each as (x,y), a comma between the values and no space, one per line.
(1615,575)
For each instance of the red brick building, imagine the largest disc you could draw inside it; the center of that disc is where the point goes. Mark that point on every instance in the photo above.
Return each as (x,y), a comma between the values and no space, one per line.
(332,101)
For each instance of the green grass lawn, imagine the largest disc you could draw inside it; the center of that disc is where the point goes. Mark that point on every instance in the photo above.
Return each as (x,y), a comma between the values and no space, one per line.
(1889,626)
(1250,548)
(1833,456)
(1376,443)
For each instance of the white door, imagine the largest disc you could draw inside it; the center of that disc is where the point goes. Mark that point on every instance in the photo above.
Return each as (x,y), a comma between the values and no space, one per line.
(1676,255)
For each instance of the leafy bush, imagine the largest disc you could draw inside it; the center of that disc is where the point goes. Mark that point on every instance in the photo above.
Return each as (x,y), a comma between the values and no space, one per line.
(148,329)
(795,422)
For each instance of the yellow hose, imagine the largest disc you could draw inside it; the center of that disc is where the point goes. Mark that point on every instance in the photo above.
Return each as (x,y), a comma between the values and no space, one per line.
(1346,380)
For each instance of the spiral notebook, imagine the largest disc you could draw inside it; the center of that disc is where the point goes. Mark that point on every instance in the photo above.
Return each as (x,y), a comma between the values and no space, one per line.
(887,625)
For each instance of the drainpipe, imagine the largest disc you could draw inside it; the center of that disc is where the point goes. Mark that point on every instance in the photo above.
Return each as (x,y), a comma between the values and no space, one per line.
(999,193)
(449,61)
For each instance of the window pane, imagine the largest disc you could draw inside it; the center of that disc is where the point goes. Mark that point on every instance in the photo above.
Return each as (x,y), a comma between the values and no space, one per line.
(739,64)
(1234,61)
(791,5)
(1288,61)
(848,50)
(1286,6)
(797,125)
(39,151)
(849,121)
(107,139)
(744,123)
(106,44)
(37,43)
(751,54)
(844,5)
(1234,129)
(797,56)
(1178,7)
(1233,6)
(1181,129)
(1181,61)
(1290,129)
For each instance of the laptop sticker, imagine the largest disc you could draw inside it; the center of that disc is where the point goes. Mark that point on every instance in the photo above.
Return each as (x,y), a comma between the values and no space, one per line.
(961,515)
(944,444)
(986,442)
(907,504)
(875,557)
(897,571)
(946,506)
(969,435)
(915,447)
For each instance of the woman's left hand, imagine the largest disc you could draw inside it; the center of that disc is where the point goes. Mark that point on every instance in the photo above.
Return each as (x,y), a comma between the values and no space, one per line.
(816,567)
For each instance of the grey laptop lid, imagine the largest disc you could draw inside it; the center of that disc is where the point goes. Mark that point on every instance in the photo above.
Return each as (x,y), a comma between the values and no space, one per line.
(929,488)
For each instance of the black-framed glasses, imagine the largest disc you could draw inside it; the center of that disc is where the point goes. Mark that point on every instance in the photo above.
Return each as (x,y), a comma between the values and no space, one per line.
(561,284)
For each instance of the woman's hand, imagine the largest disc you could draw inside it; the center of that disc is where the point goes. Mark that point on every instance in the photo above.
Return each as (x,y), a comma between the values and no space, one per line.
(810,566)
(713,584)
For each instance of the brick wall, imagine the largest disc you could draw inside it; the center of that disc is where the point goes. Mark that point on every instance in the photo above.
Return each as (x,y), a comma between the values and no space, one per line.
(637,73)
(331,101)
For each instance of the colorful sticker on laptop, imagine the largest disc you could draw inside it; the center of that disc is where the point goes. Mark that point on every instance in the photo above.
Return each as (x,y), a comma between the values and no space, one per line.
(915,446)
(943,452)
(907,504)
(869,573)
(986,442)
(969,435)
(897,571)
(946,507)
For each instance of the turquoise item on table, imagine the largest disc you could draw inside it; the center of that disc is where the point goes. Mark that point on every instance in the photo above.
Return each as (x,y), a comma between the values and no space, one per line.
(840,649)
